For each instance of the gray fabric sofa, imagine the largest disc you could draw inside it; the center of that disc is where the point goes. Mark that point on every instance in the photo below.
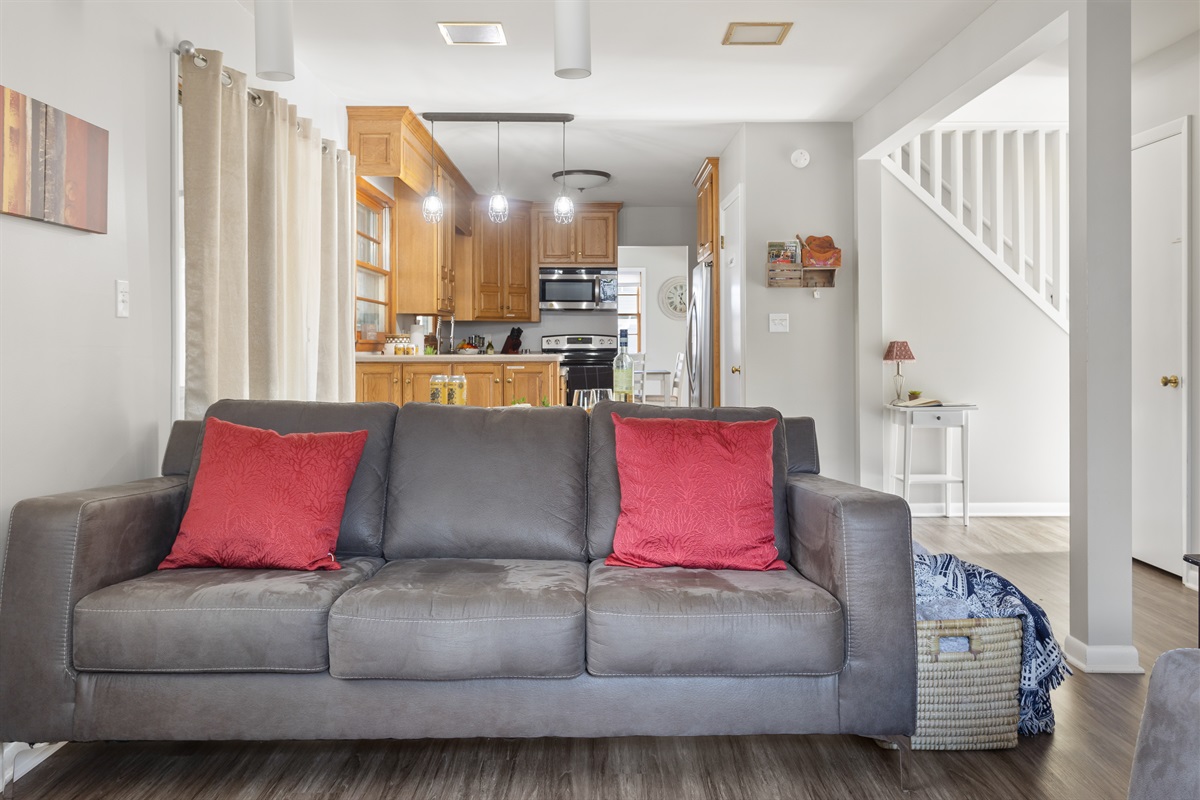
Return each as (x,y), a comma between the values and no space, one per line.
(473,600)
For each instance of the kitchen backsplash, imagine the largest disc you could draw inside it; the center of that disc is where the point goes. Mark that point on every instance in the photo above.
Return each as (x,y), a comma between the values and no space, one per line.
(552,322)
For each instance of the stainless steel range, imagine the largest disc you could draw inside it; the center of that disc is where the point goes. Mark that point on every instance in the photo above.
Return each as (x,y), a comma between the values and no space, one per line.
(588,358)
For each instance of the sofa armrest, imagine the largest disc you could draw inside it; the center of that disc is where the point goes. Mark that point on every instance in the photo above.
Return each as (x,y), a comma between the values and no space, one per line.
(857,544)
(59,549)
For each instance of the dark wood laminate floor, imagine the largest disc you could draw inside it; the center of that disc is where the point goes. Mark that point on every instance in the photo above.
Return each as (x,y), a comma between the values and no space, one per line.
(1088,758)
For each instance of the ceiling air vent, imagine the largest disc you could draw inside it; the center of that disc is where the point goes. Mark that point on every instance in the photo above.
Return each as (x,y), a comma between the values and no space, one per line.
(472,33)
(769,33)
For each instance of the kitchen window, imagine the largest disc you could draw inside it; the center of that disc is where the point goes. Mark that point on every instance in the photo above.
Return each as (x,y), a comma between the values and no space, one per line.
(373,257)
(630,285)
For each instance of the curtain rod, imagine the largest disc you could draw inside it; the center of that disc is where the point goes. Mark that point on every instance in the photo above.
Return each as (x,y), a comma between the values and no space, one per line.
(471,116)
(186,48)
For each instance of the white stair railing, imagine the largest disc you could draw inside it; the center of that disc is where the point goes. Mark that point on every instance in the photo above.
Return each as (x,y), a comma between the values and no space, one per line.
(1004,190)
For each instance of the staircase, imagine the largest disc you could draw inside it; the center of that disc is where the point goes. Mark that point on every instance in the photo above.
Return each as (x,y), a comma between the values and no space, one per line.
(1004,190)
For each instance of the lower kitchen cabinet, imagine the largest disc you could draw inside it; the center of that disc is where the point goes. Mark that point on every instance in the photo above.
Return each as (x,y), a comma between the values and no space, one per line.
(489,383)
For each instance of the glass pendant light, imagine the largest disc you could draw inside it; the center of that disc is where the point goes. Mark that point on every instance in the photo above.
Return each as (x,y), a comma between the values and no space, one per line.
(431,206)
(564,209)
(498,203)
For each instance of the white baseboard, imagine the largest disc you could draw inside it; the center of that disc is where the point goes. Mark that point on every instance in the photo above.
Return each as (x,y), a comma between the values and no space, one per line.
(26,758)
(1191,577)
(994,509)
(1102,657)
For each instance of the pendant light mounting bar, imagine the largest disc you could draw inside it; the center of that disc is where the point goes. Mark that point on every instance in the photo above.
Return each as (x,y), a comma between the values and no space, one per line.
(472,116)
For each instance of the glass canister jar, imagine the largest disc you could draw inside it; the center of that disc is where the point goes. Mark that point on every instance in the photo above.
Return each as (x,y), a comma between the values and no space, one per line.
(456,390)
(437,388)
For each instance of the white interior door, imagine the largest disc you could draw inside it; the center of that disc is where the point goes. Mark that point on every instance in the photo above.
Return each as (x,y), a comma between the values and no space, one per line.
(733,301)
(1160,284)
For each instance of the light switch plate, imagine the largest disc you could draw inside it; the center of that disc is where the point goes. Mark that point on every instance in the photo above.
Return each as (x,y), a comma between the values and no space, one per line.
(777,323)
(122,298)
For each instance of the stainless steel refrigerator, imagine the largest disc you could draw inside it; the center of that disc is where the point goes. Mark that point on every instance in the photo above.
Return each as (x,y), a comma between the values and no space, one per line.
(699,337)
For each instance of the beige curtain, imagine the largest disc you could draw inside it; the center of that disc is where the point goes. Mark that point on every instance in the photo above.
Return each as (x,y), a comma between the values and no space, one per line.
(268,238)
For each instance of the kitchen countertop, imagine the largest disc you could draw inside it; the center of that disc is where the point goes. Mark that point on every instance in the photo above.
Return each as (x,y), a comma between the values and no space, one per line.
(537,358)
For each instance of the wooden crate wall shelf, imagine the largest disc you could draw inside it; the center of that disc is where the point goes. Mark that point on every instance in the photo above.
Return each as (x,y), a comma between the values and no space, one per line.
(798,277)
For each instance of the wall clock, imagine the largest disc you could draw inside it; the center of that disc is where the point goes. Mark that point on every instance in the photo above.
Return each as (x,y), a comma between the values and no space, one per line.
(672,298)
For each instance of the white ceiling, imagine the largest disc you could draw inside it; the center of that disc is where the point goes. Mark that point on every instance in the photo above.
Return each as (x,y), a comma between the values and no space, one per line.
(663,93)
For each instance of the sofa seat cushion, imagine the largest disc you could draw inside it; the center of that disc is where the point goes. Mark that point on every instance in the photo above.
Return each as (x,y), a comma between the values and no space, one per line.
(458,618)
(214,620)
(701,622)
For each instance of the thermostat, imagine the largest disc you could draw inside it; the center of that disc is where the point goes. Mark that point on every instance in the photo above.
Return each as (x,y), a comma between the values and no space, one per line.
(800,159)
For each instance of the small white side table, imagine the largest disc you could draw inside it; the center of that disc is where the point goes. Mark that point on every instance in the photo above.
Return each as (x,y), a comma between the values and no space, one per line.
(944,417)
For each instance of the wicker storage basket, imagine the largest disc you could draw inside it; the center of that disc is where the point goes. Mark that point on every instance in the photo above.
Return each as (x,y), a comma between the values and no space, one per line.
(968,701)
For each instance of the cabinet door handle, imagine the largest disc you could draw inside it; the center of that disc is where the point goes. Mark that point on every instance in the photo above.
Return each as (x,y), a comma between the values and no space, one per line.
(497,380)
(509,380)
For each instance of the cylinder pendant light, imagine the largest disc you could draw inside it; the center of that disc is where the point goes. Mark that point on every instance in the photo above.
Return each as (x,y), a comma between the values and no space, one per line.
(564,209)
(275,59)
(431,206)
(572,38)
(498,203)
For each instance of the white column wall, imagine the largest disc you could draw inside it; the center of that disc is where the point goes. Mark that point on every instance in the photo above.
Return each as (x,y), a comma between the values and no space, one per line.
(1101,568)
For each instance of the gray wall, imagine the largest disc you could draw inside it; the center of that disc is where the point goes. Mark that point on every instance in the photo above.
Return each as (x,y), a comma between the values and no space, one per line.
(808,371)
(648,226)
(85,397)
(977,339)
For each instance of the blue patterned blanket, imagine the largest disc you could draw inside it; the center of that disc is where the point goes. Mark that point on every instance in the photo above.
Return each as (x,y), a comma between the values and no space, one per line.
(946,584)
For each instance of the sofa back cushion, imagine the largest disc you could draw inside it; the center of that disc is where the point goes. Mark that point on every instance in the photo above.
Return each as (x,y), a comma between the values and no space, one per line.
(488,483)
(604,486)
(362,521)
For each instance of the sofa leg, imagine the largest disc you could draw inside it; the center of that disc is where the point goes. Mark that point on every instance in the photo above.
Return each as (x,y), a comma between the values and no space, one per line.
(904,750)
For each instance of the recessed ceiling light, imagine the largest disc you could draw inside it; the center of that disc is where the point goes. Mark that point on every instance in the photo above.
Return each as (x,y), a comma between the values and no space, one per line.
(472,33)
(756,33)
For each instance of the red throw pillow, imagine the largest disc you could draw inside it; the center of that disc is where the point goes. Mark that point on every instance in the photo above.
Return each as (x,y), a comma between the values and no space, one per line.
(262,500)
(695,493)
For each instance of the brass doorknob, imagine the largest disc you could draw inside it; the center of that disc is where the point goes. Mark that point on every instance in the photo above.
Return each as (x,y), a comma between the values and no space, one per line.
(497,380)
(509,380)
(736,370)
(1172,381)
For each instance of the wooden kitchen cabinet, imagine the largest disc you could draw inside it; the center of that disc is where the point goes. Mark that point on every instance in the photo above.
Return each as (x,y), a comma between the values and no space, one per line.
(489,383)
(392,141)
(377,383)
(483,383)
(707,210)
(590,239)
(531,383)
(415,380)
(504,280)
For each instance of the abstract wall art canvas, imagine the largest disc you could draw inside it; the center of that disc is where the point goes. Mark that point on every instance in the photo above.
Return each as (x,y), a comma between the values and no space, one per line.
(53,166)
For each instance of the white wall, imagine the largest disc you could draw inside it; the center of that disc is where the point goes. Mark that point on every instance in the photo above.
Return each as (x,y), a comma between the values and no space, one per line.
(808,371)
(85,398)
(977,339)
(1166,86)
(665,336)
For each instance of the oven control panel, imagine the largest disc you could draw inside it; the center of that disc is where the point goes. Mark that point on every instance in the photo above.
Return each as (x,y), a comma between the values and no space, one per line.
(562,343)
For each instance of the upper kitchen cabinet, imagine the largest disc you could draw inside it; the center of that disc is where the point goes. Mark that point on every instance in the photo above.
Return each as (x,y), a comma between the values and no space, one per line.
(392,141)
(504,275)
(590,239)
(707,210)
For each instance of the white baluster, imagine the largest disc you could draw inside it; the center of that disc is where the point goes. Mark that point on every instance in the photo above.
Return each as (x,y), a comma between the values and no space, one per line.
(956,174)
(977,193)
(998,194)
(935,165)
(1042,221)
(914,159)
(1020,243)
(1061,230)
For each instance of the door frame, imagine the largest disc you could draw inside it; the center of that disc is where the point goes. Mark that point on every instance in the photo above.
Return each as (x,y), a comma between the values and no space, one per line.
(735,194)
(1182,128)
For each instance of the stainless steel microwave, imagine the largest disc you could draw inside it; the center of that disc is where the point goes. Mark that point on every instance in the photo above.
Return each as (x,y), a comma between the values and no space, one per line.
(577,289)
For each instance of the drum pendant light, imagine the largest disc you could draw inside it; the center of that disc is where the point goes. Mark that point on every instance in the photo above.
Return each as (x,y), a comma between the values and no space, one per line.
(564,209)
(274,57)
(572,38)
(431,206)
(498,203)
